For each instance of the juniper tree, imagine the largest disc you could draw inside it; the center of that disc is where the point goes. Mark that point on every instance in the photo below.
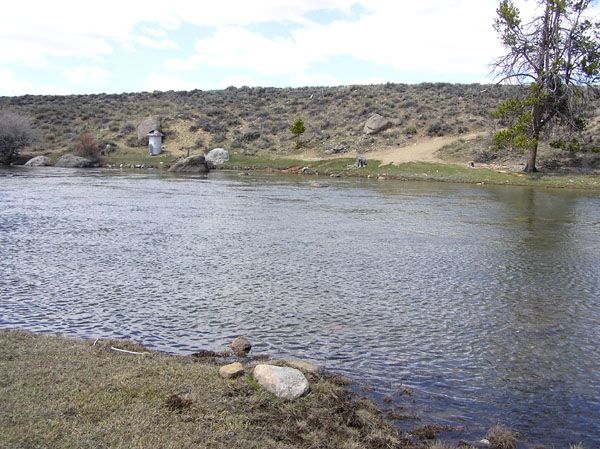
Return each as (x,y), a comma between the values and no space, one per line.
(556,55)
(298,129)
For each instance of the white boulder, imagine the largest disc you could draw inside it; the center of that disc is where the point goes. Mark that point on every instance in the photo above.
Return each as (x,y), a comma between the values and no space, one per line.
(38,161)
(285,383)
(218,156)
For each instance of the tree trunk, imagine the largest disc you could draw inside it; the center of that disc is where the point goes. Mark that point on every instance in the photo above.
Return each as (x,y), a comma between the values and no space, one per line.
(531,157)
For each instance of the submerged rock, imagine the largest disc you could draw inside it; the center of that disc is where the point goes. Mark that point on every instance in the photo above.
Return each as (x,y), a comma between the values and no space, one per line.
(72,161)
(192,164)
(303,365)
(285,383)
(241,346)
(38,161)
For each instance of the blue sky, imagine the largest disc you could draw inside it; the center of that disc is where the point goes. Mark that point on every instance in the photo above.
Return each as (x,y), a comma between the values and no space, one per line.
(74,47)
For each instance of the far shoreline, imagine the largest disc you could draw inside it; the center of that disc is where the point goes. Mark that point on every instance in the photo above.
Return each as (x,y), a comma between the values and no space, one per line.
(479,174)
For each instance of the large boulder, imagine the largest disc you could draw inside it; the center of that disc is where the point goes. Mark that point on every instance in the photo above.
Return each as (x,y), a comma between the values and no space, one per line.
(218,156)
(148,124)
(377,123)
(38,161)
(285,383)
(191,164)
(72,161)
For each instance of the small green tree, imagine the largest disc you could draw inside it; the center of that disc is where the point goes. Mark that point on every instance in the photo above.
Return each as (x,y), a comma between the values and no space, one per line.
(297,129)
(16,132)
(557,56)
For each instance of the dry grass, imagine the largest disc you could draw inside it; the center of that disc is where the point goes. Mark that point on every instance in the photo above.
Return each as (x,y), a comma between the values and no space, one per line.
(439,445)
(66,393)
(258,119)
(501,438)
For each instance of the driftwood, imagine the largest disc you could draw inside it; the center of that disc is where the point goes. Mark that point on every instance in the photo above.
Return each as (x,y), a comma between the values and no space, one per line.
(128,352)
(112,348)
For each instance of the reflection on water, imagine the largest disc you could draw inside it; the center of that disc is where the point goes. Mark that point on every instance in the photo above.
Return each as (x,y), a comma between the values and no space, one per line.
(483,300)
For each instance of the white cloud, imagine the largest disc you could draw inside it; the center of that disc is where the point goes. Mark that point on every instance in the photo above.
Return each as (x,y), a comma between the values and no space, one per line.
(11,84)
(453,37)
(369,80)
(429,36)
(34,32)
(156,43)
(84,74)
(155,81)
(318,79)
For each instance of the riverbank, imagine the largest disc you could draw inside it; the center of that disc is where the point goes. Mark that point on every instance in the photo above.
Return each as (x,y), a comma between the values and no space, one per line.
(414,171)
(375,169)
(62,392)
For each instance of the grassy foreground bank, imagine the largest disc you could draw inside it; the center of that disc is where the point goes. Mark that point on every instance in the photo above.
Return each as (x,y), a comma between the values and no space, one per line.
(416,171)
(67,393)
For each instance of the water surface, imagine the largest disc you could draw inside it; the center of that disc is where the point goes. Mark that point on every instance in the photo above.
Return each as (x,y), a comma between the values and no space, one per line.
(483,300)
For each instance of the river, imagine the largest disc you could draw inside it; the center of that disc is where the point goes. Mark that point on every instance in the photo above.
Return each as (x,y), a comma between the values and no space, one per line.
(482,301)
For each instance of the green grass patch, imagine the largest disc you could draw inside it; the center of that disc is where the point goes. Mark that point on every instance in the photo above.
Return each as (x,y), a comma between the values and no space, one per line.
(66,393)
(417,171)
(136,157)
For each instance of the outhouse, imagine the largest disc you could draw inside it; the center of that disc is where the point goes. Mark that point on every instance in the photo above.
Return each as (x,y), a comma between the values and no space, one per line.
(154,142)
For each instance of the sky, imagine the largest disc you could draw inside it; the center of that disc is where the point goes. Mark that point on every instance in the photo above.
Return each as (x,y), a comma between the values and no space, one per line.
(77,47)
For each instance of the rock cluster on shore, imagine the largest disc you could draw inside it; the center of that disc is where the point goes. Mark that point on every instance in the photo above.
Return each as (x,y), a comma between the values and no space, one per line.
(286,382)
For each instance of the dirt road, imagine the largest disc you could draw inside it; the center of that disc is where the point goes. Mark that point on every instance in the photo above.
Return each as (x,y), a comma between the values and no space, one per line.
(424,149)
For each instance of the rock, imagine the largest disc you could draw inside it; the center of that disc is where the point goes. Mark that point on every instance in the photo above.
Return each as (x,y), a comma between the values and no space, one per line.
(241,346)
(192,164)
(285,383)
(217,156)
(231,371)
(148,124)
(361,161)
(377,123)
(72,161)
(308,171)
(339,147)
(303,365)
(38,161)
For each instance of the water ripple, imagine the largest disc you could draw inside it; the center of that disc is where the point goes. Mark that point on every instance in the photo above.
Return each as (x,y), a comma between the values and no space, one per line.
(484,301)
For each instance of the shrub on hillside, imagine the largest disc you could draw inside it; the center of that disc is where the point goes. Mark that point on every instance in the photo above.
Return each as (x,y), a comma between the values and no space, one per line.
(87,146)
(127,128)
(16,132)
(438,129)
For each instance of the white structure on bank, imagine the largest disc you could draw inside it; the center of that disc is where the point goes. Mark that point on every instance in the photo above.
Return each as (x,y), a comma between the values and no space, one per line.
(154,142)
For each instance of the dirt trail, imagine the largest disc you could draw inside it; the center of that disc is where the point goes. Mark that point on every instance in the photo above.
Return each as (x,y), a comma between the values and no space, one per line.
(422,150)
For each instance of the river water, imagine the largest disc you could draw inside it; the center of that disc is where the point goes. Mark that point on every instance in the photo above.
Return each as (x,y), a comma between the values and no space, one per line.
(483,301)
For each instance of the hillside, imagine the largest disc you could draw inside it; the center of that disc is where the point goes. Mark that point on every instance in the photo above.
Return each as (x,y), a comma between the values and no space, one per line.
(257,120)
